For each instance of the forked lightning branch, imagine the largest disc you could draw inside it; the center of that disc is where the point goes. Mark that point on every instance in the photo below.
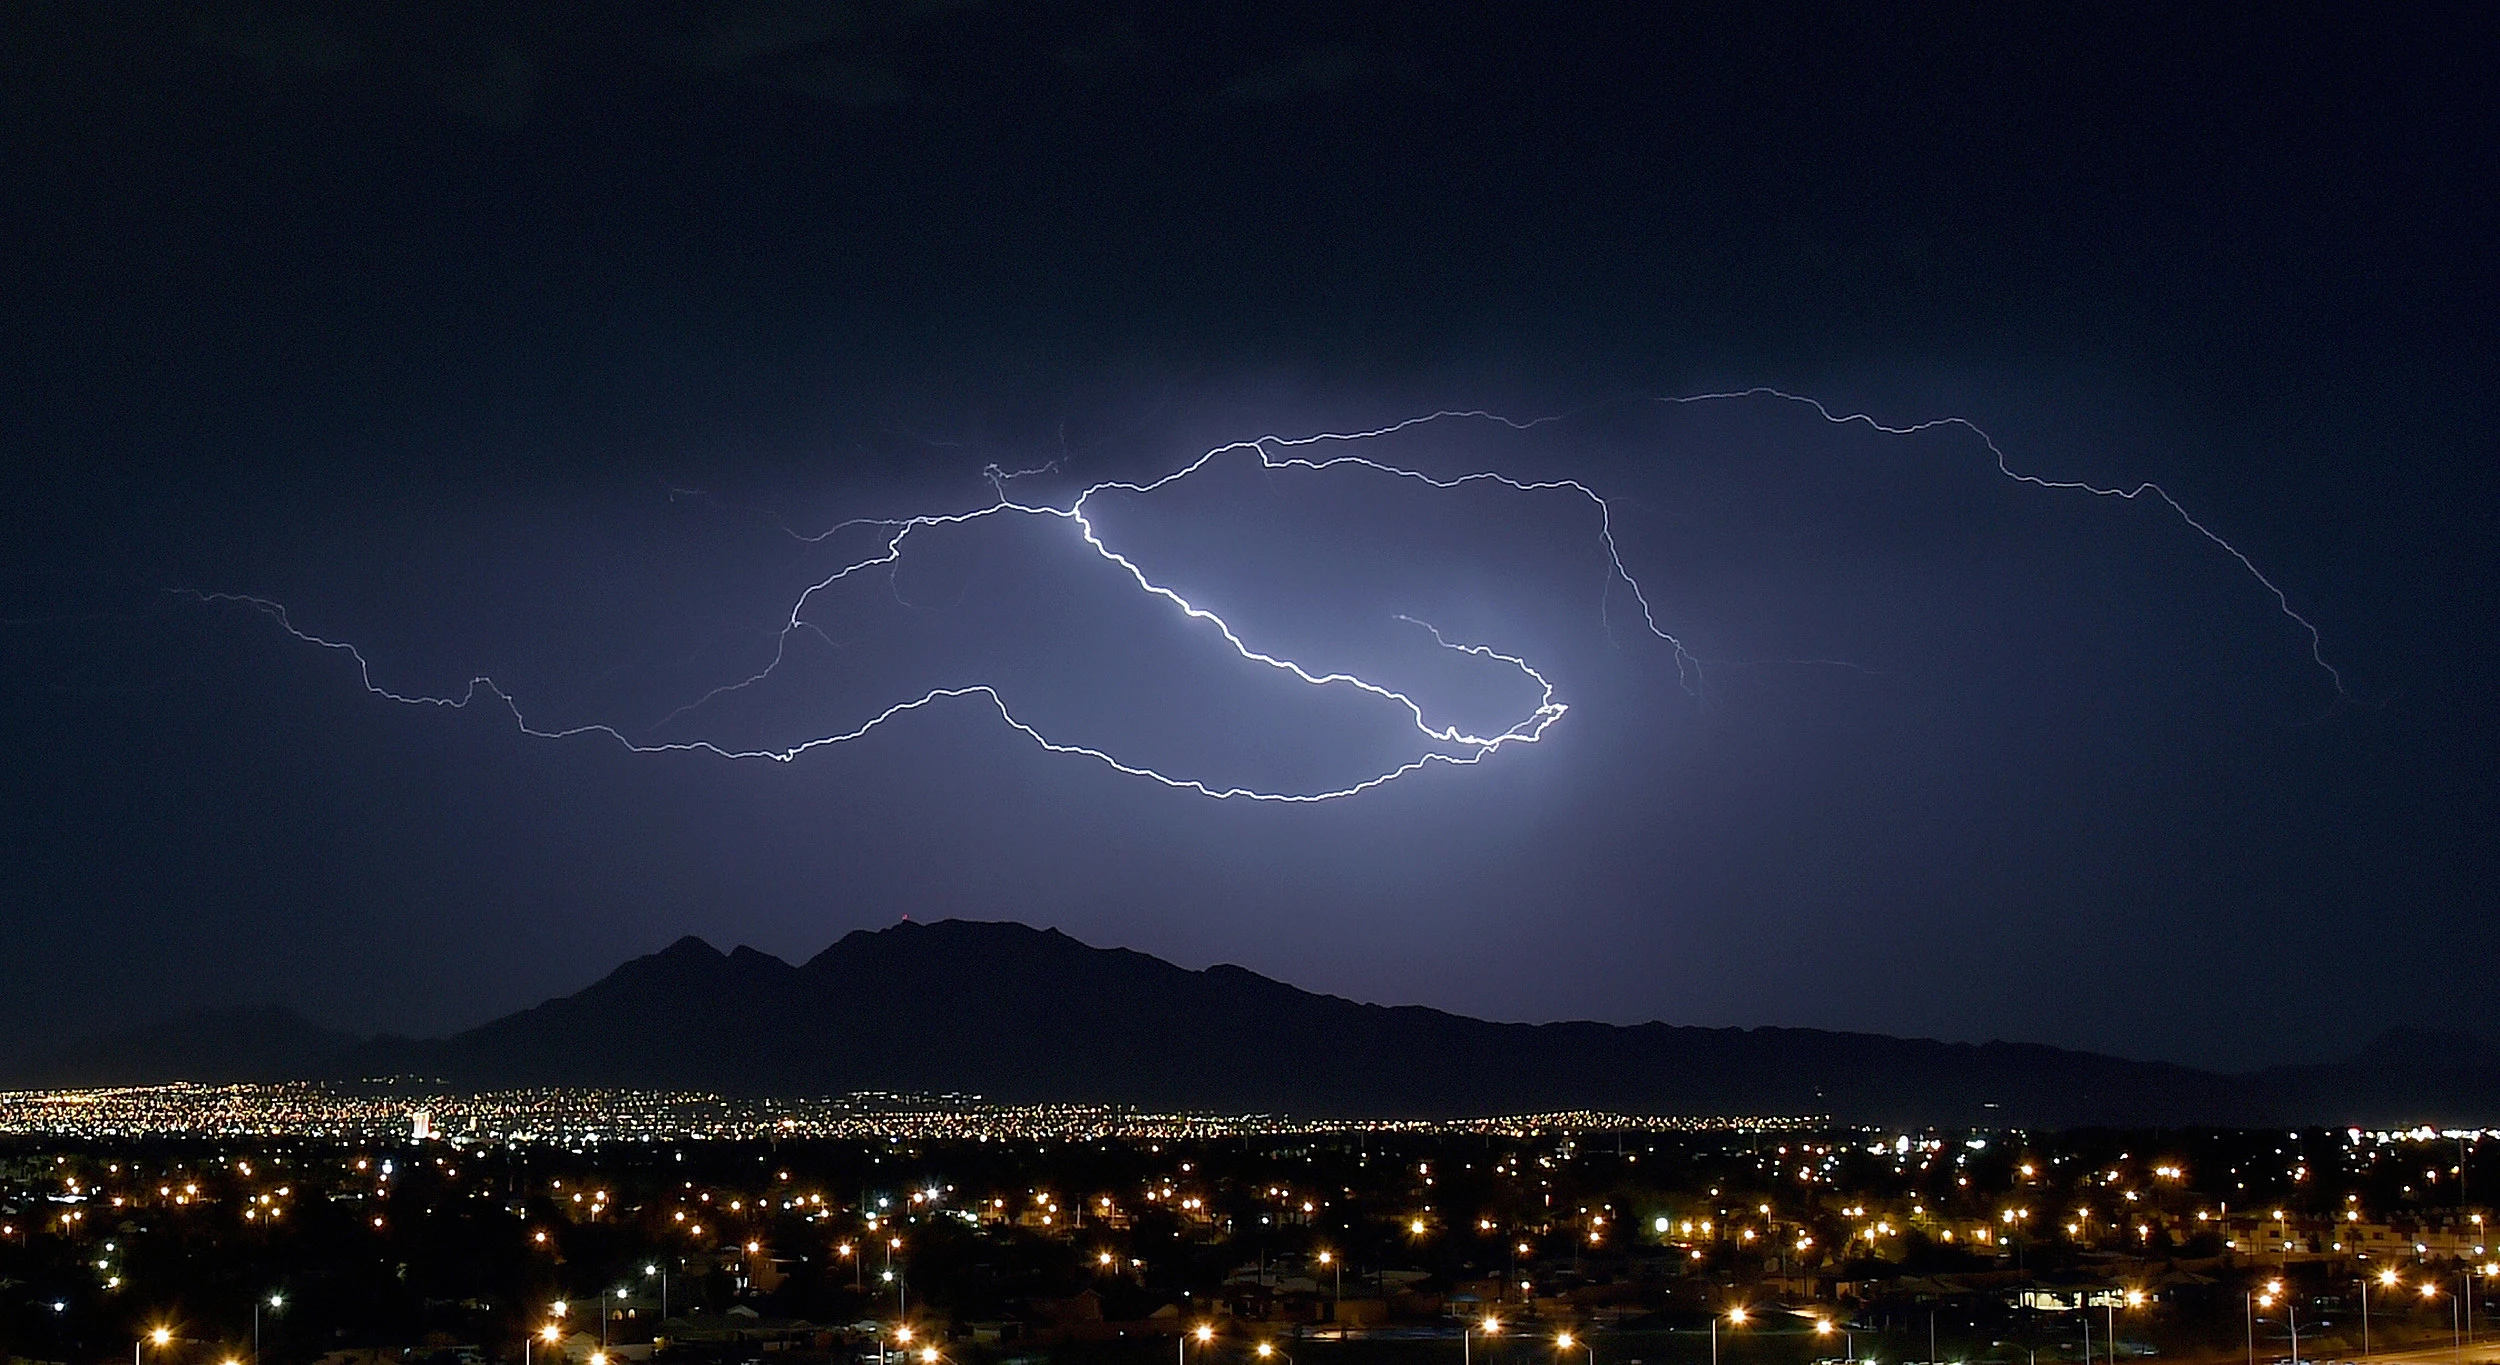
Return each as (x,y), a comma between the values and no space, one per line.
(1435,741)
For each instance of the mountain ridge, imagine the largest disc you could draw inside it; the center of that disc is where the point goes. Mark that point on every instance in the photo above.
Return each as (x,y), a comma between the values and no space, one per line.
(1033,1015)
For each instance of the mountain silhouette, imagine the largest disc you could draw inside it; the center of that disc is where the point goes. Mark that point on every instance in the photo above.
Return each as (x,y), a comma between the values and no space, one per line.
(1017,1014)
(264,1043)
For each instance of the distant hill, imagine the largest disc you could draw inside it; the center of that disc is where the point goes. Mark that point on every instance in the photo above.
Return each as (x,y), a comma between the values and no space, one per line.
(269,1043)
(1021,1014)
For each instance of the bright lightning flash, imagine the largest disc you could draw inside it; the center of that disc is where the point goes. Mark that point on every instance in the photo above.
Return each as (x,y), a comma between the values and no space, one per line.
(1439,743)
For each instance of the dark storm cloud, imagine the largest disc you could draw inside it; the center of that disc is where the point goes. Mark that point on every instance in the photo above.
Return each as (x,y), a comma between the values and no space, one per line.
(414,317)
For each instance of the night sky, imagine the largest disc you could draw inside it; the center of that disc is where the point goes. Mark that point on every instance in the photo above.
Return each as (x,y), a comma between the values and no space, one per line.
(548,342)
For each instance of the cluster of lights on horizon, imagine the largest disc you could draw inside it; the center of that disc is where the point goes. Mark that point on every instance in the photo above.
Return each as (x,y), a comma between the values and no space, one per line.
(592,1117)
(1444,743)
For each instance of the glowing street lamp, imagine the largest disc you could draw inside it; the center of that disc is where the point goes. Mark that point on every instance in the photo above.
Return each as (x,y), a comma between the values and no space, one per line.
(1565,1341)
(1735,1317)
(2387,1279)
(1268,1351)
(1489,1327)
(274,1303)
(1202,1334)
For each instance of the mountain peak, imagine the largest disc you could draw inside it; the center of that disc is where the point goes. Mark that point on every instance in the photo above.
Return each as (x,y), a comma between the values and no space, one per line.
(1031,1015)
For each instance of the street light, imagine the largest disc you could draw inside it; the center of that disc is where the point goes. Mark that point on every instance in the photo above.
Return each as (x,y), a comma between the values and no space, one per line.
(2291,1317)
(1565,1341)
(1735,1317)
(1268,1351)
(2387,1280)
(1489,1326)
(276,1302)
(1203,1333)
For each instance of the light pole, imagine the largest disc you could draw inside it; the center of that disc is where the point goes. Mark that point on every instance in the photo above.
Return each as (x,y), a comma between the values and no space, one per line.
(1466,1355)
(1329,1259)
(546,1334)
(158,1337)
(651,1270)
(1202,1333)
(1735,1318)
(276,1302)
(2387,1279)
(1268,1351)
(901,1298)
(2291,1318)
(1566,1341)
(2465,1297)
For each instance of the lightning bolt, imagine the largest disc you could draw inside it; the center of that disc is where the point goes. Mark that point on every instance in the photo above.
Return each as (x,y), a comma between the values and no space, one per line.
(1440,743)
(2282,600)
